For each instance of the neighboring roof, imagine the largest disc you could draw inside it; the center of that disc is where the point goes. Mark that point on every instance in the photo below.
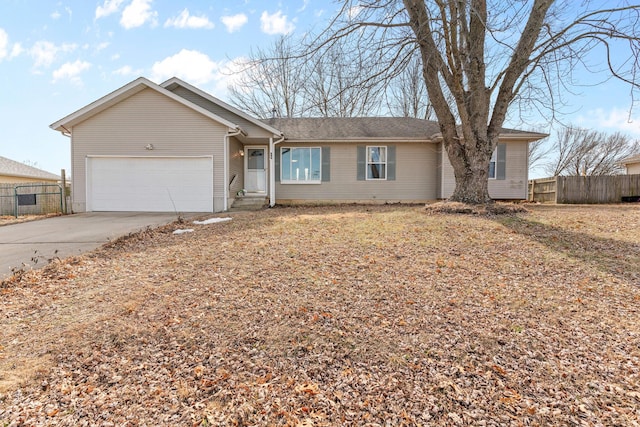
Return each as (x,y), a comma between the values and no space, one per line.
(631,160)
(374,128)
(174,81)
(10,167)
(64,125)
(355,128)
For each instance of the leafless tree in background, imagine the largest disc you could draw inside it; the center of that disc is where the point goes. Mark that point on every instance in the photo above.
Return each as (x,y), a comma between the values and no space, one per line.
(284,81)
(538,151)
(407,94)
(271,81)
(588,152)
(334,84)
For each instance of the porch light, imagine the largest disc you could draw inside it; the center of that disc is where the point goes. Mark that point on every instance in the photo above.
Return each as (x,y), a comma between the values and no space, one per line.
(241,153)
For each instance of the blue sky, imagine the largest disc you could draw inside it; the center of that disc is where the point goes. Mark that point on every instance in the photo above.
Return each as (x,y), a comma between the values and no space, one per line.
(56,57)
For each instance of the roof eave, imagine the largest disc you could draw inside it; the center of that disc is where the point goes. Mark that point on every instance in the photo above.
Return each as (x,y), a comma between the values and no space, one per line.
(359,139)
(520,136)
(209,97)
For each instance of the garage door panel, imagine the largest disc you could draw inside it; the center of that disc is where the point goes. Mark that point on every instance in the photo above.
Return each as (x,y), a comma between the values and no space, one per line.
(182,184)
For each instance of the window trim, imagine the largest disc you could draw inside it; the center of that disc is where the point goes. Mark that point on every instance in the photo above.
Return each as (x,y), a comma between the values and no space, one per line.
(494,160)
(367,163)
(298,182)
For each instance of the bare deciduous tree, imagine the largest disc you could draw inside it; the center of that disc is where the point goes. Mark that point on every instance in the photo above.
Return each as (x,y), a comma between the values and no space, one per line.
(283,81)
(334,84)
(487,55)
(589,152)
(271,81)
(407,93)
(538,151)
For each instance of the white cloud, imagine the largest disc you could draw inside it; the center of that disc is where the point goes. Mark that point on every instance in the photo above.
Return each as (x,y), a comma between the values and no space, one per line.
(305,3)
(44,52)
(138,13)
(55,15)
(102,46)
(276,23)
(190,65)
(234,22)
(614,120)
(185,20)
(4,44)
(108,7)
(71,71)
(16,50)
(127,71)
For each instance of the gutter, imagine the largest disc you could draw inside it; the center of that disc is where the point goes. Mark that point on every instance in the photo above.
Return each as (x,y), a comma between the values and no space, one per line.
(272,169)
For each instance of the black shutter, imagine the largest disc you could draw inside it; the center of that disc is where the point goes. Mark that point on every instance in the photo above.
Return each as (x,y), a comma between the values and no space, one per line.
(391,163)
(501,161)
(362,163)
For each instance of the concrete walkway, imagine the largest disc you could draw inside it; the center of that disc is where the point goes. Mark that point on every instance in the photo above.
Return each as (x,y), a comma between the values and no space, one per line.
(23,243)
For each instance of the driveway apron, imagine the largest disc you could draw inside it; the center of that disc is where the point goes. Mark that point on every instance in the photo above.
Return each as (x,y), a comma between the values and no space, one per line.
(31,244)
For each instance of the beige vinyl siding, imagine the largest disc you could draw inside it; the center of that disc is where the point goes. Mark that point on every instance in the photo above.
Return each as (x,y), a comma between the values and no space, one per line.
(246,125)
(514,186)
(633,169)
(236,167)
(416,170)
(147,117)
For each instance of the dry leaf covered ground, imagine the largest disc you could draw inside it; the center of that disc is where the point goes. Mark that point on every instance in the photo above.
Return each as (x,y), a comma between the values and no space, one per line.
(335,316)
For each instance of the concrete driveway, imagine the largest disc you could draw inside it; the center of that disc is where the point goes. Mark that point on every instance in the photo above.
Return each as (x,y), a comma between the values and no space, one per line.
(69,235)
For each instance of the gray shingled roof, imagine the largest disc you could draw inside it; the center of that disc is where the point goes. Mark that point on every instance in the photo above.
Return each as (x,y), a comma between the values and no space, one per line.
(352,128)
(10,167)
(345,128)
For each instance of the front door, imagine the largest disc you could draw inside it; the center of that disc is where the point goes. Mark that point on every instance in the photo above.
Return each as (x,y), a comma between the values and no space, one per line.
(255,175)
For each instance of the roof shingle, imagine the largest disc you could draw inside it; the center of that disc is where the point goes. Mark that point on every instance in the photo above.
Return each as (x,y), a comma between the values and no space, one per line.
(10,167)
(354,128)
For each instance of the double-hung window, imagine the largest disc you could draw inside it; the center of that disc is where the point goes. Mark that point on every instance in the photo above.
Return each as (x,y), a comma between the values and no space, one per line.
(376,162)
(300,165)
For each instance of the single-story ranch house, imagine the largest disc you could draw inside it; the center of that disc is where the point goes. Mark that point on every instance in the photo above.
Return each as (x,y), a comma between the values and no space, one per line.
(174,147)
(18,173)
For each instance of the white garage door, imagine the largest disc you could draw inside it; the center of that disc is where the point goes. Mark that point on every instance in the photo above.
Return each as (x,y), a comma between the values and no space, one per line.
(150,184)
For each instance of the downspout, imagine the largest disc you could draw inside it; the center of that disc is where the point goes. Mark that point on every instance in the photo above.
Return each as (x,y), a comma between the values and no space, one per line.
(272,170)
(225,173)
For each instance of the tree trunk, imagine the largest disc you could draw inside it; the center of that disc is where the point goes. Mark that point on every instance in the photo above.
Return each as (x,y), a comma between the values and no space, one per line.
(471,187)
(470,162)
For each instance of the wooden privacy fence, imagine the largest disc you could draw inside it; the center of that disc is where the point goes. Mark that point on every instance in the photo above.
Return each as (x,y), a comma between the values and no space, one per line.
(31,198)
(585,189)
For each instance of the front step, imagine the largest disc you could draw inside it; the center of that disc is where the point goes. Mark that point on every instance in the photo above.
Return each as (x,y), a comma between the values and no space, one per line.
(249,203)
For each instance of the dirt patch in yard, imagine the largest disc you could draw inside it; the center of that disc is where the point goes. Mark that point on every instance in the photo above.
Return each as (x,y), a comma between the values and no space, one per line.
(10,219)
(367,315)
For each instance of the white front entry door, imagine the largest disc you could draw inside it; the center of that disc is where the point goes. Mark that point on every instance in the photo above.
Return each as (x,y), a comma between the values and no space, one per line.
(255,175)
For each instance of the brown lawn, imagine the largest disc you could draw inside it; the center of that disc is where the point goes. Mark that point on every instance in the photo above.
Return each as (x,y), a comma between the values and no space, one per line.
(335,316)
